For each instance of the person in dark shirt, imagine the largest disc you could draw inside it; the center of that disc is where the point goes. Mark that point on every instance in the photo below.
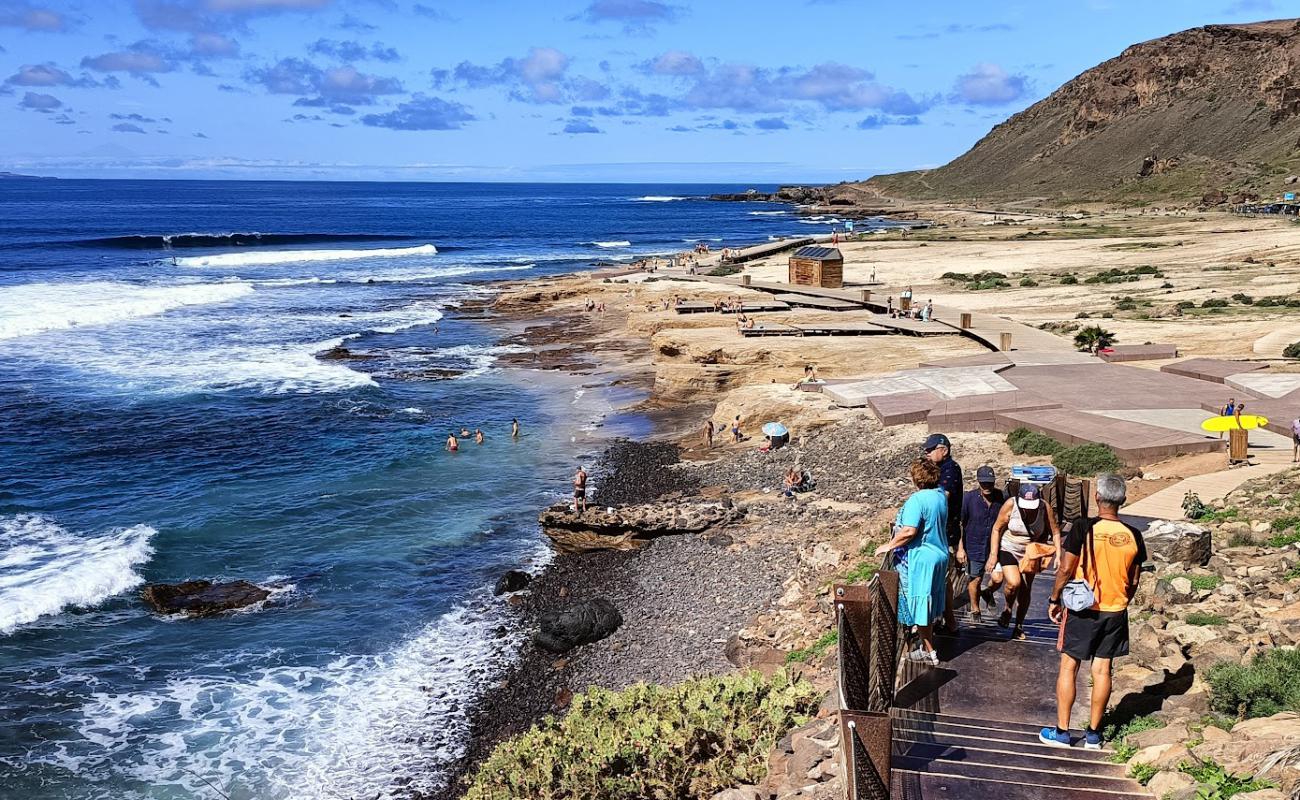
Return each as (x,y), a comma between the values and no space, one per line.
(939,450)
(979,510)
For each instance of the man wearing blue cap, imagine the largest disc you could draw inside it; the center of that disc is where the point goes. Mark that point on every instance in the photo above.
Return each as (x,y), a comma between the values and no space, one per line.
(939,450)
(979,510)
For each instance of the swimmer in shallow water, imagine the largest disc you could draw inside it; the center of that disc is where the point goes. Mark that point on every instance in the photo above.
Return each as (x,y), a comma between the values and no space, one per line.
(452,444)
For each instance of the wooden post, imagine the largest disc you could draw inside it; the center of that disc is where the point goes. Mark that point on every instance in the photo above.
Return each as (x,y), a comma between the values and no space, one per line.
(1238,445)
(744,280)
(866,295)
(1005,341)
(965,320)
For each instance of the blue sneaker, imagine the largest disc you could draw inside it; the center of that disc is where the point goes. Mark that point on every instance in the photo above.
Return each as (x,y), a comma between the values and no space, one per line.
(1054,737)
(1091,739)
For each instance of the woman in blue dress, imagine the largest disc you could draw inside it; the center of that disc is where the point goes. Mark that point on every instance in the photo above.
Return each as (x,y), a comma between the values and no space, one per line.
(920,546)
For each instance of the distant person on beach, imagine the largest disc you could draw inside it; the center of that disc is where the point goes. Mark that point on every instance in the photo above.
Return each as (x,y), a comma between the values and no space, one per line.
(735,429)
(1101,557)
(580,490)
(889,305)
(514,428)
(452,443)
(1236,414)
(920,548)
(478,436)
(708,433)
(1295,439)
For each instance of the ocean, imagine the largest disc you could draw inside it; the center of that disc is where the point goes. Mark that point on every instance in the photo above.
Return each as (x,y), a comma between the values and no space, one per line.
(164,417)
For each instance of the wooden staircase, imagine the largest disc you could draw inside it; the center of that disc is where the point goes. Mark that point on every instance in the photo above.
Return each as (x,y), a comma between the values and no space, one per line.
(968,728)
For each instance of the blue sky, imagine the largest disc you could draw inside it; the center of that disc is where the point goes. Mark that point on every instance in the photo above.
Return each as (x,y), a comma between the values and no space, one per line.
(759,91)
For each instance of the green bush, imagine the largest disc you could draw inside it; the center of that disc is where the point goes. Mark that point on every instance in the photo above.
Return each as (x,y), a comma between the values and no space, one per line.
(724,270)
(1093,336)
(1118,735)
(1026,281)
(1069,280)
(1266,686)
(683,742)
(1034,444)
(1292,350)
(1244,299)
(1086,459)
(1143,773)
(1126,304)
(1204,583)
(1284,539)
(1183,305)
(1214,302)
(1203,619)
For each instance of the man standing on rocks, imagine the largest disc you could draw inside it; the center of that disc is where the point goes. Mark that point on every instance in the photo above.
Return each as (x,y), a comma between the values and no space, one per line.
(708,434)
(580,491)
(979,510)
(1105,555)
(939,450)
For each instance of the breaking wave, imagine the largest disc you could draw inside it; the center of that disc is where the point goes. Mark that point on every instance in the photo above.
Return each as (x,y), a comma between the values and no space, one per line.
(145,241)
(45,568)
(657,198)
(610,244)
(265,257)
(33,308)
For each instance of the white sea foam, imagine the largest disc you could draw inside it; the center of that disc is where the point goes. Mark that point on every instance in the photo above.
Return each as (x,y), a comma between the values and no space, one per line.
(33,308)
(657,198)
(379,726)
(264,257)
(617,243)
(45,568)
(768,213)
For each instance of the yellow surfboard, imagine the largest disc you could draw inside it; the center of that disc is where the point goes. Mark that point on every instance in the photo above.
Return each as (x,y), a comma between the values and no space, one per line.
(1220,424)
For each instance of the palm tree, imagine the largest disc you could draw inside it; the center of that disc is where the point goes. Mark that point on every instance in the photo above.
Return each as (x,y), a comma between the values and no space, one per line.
(1093,338)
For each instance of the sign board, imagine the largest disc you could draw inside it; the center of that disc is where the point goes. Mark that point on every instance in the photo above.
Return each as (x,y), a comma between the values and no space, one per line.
(1289,196)
(849,225)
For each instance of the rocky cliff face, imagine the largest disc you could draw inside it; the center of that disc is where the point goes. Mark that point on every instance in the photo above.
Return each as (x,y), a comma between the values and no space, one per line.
(1212,108)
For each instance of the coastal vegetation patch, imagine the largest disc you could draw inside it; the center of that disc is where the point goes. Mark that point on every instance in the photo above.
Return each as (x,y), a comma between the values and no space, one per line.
(688,741)
(1086,460)
(1268,685)
(978,281)
(1024,442)
(1116,275)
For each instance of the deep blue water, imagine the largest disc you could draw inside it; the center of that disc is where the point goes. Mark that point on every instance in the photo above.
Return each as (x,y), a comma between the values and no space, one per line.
(163,416)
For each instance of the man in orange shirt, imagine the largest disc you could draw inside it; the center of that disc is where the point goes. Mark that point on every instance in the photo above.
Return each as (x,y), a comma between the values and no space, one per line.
(1108,555)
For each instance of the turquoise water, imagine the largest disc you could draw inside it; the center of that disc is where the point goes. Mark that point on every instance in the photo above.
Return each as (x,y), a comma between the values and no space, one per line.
(163,417)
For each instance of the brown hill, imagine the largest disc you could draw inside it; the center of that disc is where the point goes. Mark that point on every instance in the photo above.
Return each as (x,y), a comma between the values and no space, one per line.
(1206,110)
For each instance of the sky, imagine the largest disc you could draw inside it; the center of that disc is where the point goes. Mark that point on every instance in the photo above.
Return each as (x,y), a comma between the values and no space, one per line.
(741,91)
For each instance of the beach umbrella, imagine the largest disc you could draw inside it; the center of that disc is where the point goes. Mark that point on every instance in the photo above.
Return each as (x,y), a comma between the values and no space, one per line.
(774,429)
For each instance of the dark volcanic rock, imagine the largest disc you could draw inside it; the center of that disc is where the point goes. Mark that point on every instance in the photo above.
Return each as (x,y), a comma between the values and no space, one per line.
(202,598)
(639,472)
(341,353)
(582,623)
(512,581)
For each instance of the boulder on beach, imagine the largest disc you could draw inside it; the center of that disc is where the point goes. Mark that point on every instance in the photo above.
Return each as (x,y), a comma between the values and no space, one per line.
(582,623)
(512,581)
(1173,541)
(202,598)
(630,527)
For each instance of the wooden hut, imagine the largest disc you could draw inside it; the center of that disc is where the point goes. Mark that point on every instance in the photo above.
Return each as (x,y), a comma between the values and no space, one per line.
(817,266)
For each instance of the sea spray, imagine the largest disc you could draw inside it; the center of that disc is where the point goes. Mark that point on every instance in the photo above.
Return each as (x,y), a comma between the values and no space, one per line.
(33,308)
(46,568)
(264,257)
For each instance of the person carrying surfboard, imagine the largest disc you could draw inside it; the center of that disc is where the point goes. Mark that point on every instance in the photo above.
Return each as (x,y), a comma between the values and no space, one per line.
(1228,411)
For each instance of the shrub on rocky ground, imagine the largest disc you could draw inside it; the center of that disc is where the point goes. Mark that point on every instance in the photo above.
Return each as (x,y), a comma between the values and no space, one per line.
(1030,443)
(684,742)
(724,270)
(1267,685)
(1216,783)
(1086,460)
(1292,350)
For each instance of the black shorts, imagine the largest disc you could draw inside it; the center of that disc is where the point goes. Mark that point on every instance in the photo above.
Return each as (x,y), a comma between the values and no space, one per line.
(1007,560)
(1096,634)
(580,494)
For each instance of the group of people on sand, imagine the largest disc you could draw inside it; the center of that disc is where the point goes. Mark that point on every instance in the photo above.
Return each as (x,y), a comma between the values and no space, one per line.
(728,304)
(711,431)
(453,441)
(942,530)
(592,305)
(924,313)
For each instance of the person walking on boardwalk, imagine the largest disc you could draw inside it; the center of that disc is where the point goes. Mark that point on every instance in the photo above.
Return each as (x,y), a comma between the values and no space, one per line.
(939,450)
(1025,536)
(979,510)
(920,548)
(1228,410)
(1098,576)
(580,491)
